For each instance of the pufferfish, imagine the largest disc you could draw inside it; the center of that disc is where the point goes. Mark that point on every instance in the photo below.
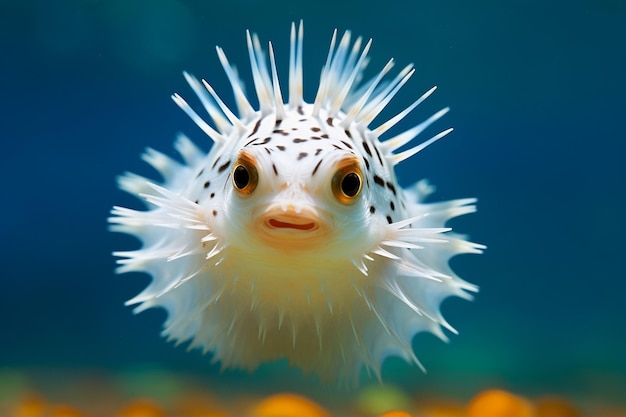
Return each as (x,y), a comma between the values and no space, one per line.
(291,238)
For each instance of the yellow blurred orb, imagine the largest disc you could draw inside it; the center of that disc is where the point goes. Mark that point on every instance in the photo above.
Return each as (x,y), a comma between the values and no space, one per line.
(31,405)
(499,403)
(288,405)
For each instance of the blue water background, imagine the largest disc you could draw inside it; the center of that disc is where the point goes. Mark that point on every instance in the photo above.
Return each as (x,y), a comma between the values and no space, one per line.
(537,95)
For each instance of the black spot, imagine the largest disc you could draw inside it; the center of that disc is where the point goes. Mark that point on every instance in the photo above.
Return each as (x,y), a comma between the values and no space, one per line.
(207,184)
(196,201)
(316,167)
(300,111)
(214,212)
(248,143)
(391,187)
(223,167)
(329,121)
(212,195)
(255,128)
(337,146)
(325,135)
(200,173)
(282,132)
(380,158)
(367,148)
(268,150)
(348,134)
(389,219)
(274,168)
(347,144)
(280,147)
(316,137)
(372,209)
(299,140)
(215,163)
(317,151)
(302,155)
(266,140)
(379,181)
(278,122)
(315,129)
(367,163)
(392,206)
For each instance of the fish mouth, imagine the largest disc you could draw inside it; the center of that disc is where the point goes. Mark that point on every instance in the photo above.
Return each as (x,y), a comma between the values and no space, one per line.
(286,227)
(279,224)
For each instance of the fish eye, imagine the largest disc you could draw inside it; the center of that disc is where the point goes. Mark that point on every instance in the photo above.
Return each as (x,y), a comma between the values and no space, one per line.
(245,176)
(347,183)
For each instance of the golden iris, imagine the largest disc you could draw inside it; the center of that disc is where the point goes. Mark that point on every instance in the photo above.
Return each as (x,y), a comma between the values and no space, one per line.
(245,175)
(347,181)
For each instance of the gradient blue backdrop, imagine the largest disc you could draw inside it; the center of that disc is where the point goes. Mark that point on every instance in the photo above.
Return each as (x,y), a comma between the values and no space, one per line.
(537,96)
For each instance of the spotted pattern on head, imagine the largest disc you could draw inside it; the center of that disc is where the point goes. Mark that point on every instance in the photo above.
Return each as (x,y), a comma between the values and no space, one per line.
(314,140)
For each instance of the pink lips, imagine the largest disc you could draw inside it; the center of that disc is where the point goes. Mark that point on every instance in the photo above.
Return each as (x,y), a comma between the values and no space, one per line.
(289,229)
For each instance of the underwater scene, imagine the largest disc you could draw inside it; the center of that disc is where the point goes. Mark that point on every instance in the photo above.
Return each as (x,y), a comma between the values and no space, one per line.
(293,229)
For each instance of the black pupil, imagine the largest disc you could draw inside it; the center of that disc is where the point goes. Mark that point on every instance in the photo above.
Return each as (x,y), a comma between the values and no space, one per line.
(241,177)
(350,184)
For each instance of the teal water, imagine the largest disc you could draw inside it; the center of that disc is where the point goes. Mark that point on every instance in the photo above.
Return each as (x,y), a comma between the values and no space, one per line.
(536,92)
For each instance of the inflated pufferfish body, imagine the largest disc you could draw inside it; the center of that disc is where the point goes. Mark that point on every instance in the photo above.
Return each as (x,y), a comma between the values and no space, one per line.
(291,237)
